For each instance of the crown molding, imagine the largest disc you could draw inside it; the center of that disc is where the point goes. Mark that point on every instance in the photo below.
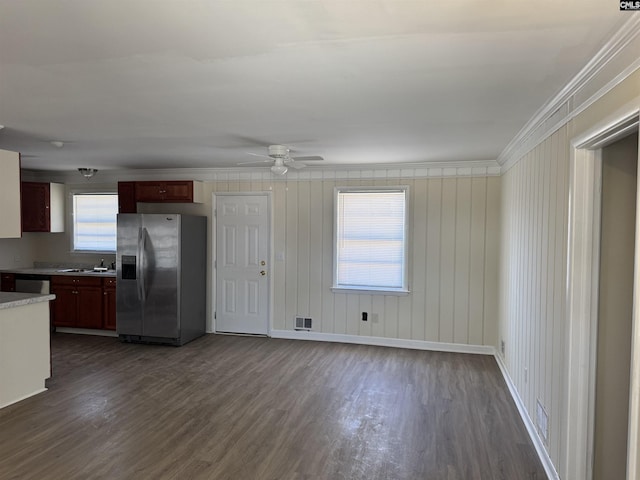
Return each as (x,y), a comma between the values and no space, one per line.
(599,76)
(477,168)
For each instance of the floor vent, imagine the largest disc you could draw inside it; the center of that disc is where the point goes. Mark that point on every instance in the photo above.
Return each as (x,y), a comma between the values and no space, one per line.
(303,323)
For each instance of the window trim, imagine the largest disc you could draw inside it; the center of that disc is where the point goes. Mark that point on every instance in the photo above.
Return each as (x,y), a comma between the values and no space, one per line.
(71,229)
(371,290)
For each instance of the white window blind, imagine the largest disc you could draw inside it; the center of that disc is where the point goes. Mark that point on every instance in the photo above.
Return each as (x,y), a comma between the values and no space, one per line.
(370,242)
(94,222)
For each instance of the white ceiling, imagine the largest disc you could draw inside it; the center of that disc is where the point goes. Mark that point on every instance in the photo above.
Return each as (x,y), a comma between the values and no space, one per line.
(186,83)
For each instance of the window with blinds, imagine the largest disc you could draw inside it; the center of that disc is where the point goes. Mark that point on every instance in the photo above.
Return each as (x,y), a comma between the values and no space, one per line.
(94,222)
(371,239)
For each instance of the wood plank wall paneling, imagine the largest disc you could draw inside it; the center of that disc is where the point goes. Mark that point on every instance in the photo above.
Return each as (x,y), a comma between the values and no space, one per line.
(532,279)
(453,235)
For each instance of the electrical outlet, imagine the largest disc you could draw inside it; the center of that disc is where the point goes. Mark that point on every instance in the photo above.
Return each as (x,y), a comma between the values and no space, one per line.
(374,318)
(526,374)
(364,316)
(502,347)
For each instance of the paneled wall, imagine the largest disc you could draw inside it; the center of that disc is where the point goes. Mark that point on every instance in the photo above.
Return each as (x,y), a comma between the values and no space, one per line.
(533,278)
(453,260)
(533,320)
(453,264)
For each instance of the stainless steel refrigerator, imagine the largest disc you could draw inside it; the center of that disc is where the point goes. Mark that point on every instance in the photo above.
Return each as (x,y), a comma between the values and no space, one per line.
(161,278)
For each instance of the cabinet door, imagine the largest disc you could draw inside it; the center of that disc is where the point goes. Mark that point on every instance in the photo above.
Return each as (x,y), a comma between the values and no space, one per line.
(109,308)
(35,198)
(171,191)
(127,197)
(8,282)
(89,307)
(64,309)
(149,191)
(178,191)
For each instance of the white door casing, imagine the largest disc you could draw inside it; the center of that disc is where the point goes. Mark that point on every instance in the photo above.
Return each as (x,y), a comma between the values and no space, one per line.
(242,264)
(582,299)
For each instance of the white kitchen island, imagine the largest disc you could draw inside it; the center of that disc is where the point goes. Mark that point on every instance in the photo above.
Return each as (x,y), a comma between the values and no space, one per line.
(25,352)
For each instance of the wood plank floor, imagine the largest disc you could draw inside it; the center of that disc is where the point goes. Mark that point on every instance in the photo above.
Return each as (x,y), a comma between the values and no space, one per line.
(225,407)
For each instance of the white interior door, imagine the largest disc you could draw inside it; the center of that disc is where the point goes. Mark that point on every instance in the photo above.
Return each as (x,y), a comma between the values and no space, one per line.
(242,264)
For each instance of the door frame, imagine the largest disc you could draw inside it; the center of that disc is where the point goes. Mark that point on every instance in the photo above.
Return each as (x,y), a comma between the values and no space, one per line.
(583,272)
(214,251)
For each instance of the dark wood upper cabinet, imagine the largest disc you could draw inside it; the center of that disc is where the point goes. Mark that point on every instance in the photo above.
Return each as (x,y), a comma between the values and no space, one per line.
(127,197)
(178,191)
(174,191)
(42,207)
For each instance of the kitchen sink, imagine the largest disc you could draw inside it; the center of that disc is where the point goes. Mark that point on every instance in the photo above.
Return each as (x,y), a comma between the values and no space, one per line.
(84,270)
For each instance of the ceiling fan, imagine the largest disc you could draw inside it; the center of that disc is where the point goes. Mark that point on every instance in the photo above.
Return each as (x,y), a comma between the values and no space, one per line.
(281,157)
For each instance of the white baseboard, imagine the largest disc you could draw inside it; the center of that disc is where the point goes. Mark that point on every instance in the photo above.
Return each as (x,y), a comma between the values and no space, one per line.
(549,468)
(87,331)
(383,342)
(24,397)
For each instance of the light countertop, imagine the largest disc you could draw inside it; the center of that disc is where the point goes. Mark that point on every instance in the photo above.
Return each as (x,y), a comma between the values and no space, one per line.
(57,271)
(15,299)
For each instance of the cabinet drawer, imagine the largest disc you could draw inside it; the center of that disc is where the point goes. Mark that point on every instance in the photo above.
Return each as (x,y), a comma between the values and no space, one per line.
(76,281)
(109,282)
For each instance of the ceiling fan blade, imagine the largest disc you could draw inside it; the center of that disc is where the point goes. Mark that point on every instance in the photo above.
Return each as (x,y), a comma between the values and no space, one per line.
(312,158)
(250,141)
(255,162)
(259,155)
(295,165)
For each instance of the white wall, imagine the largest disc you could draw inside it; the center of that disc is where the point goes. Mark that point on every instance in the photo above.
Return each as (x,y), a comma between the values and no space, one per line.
(532,278)
(532,310)
(17,252)
(453,263)
(454,237)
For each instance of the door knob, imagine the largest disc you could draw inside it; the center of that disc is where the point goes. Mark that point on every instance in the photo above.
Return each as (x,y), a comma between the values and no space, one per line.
(263,273)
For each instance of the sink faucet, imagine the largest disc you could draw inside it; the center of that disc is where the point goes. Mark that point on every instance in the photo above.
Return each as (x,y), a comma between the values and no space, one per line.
(102,262)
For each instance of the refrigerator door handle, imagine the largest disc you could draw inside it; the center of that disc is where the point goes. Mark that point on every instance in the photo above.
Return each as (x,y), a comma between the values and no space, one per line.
(140,266)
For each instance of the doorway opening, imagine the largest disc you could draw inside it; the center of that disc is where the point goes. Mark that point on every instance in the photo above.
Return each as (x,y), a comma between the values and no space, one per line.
(615,307)
(583,294)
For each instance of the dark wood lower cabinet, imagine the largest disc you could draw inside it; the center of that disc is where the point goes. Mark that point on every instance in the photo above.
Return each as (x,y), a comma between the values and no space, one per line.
(64,309)
(78,303)
(109,304)
(7,282)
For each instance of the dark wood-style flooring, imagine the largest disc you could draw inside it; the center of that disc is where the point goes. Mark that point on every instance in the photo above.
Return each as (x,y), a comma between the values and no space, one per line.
(225,407)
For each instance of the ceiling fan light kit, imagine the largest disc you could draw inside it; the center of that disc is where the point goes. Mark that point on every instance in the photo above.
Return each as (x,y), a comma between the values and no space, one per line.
(88,172)
(279,168)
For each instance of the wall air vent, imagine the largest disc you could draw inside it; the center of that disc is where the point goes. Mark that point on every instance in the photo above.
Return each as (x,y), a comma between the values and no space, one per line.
(303,323)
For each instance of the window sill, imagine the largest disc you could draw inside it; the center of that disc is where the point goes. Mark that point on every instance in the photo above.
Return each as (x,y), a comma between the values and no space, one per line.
(370,291)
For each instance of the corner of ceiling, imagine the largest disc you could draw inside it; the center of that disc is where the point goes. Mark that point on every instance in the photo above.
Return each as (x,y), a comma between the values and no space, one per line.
(596,78)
